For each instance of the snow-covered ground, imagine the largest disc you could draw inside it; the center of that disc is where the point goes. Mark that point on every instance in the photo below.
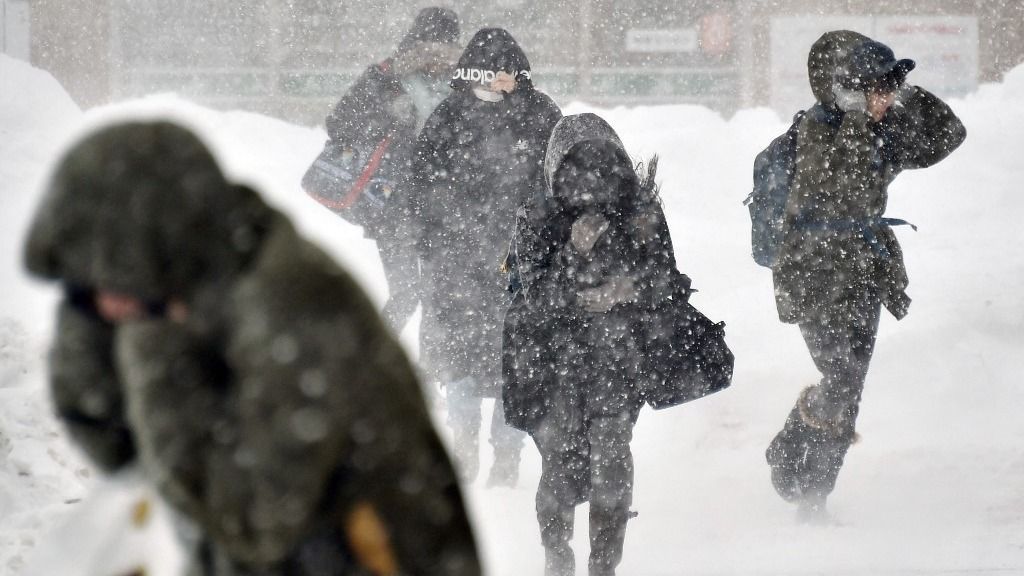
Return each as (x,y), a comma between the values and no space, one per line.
(935,486)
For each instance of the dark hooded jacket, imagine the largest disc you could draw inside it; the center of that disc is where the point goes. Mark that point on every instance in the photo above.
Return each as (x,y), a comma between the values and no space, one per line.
(555,346)
(836,242)
(279,411)
(393,97)
(475,163)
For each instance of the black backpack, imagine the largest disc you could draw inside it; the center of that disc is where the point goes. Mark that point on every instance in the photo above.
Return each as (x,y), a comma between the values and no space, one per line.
(774,169)
(773,176)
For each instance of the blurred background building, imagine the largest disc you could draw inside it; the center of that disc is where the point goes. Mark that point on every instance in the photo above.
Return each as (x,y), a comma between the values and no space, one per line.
(293,58)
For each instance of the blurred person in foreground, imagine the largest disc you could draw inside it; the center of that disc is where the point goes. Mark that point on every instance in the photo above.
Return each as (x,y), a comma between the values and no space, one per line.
(247,375)
(478,158)
(840,262)
(383,111)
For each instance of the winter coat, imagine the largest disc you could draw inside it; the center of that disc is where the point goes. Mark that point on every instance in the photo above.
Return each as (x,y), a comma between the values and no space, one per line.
(836,242)
(279,417)
(560,348)
(475,163)
(390,99)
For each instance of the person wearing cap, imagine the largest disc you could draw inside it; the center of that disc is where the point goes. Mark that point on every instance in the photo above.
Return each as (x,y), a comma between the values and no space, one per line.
(840,262)
(478,158)
(392,99)
(247,375)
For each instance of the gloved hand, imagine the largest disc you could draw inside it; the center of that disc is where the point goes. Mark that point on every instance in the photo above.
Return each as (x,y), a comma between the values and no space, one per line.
(850,100)
(616,290)
(586,230)
(85,385)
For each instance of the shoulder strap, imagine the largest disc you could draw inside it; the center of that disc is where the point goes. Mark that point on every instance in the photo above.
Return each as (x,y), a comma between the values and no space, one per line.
(825,115)
(795,126)
(364,178)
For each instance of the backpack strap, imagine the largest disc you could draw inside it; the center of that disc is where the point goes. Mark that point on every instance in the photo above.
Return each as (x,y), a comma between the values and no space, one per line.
(865,226)
(823,115)
(791,133)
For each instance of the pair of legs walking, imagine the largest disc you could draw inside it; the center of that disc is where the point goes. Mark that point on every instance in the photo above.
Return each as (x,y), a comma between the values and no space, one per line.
(584,458)
(464,419)
(807,454)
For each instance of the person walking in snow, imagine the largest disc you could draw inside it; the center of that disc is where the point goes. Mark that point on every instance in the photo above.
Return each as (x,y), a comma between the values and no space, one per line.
(594,260)
(840,262)
(478,158)
(390,103)
(245,372)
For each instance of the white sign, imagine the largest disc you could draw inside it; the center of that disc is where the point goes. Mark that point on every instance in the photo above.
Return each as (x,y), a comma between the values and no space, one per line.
(661,40)
(945,49)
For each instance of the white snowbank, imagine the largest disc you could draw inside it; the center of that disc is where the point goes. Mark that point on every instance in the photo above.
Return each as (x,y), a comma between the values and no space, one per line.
(934,486)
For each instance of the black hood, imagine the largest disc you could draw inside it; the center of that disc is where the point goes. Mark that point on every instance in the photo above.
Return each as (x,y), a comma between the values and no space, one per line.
(432,25)
(143,209)
(589,149)
(825,60)
(491,50)
(571,131)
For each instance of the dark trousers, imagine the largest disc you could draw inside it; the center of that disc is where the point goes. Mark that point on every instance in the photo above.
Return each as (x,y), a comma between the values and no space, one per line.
(807,454)
(402,272)
(841,340)
(584,458)
(464,418)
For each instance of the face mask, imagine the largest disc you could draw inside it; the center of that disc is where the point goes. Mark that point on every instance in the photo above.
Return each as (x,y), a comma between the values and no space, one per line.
(487,95)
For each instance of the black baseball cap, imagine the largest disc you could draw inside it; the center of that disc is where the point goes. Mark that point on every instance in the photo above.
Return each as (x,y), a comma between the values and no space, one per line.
(873,66)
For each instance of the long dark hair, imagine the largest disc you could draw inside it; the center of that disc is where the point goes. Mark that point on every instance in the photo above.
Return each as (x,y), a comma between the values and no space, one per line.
(650,190)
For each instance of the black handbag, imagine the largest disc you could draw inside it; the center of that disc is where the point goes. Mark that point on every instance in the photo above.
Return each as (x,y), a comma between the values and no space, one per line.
(686,355)
(525,366)
(351,180)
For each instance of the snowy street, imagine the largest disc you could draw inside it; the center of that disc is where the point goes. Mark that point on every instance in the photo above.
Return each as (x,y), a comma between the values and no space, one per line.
(935,485)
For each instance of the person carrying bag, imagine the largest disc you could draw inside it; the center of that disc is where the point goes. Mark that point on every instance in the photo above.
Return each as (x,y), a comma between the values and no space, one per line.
(600,324)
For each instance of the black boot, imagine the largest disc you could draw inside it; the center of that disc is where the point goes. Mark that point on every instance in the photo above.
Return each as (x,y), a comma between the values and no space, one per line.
(559,561)
(807,454)
(785,454)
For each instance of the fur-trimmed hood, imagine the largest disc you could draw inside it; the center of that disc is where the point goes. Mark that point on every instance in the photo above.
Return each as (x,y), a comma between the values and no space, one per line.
(827,59)
(573,130)
(143,209)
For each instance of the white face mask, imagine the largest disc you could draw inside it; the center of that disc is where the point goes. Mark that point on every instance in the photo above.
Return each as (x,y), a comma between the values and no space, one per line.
(487,95)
